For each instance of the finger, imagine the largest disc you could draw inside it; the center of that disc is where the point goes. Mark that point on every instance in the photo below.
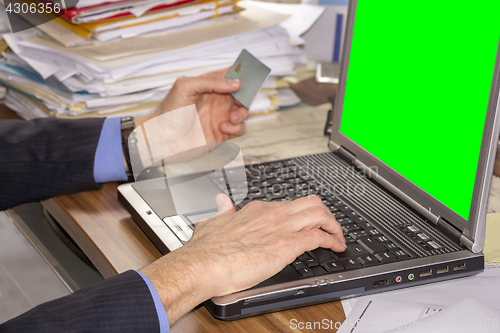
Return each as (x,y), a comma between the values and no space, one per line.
(316,217)
(228,128)
(312,239)
(220,72)
(238,116)
(209,83)
(224,204)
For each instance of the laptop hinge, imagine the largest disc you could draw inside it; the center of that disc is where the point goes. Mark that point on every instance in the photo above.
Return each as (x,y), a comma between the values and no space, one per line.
(346,155)
(333,146)
(449,230)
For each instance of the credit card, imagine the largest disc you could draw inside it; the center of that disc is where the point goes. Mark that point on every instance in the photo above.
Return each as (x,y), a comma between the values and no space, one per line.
(252,73)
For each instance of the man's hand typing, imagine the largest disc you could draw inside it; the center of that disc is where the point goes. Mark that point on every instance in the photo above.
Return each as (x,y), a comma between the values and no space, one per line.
(234,251)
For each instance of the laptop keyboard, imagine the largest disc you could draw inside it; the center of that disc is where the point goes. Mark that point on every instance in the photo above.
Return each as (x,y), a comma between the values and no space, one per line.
(366,245)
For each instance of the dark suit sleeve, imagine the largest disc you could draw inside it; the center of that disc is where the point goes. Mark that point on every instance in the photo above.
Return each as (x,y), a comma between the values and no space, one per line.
(43,158)
(122,304)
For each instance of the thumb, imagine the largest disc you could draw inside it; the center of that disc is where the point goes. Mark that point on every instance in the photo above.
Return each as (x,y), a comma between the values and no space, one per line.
(224,204)
(211,83)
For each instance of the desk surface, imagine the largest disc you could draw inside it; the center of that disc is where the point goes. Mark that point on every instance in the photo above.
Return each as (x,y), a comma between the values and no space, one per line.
(114,243)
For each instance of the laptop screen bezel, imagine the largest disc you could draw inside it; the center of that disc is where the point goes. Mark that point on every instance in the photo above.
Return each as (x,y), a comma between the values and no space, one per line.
(472,229)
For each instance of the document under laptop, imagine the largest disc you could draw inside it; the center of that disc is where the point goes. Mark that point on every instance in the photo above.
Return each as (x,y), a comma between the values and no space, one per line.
(409,170)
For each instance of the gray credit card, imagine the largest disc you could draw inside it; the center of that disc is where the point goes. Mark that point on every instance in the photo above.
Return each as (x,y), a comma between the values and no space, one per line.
(252,73)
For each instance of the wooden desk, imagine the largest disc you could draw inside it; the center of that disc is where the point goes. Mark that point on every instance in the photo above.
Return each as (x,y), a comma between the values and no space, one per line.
(113,242)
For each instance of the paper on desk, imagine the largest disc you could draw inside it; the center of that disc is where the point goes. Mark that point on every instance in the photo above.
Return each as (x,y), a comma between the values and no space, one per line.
(464,317)
(252,19)
(380,315)
(482,287)
(302,17)
(388,316)
(491,248)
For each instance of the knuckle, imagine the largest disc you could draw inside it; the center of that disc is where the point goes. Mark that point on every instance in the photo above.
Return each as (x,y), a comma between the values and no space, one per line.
(181,80)
(318,212)
(315,200)
(255,205)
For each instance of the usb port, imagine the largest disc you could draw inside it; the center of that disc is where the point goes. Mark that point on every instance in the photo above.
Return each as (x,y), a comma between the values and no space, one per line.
(381,283)
(426,273)
(443,270)
(459,267)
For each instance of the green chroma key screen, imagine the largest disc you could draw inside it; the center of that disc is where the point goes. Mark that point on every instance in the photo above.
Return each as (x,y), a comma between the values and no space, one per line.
(417,90)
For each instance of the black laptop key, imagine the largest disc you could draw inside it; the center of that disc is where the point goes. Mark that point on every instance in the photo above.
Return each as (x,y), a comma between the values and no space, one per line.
(275,196)
(294,181)
(365,225)
(358,219)
(305,272)
(323,255)
(277,180)
(318,270)
(344,221)
(352,214)
(330,198)
(385,257)
(344,208)
(297,264)
(256,196)
(351,227)
(276,165)
(261,184)
(349,240)
(253,189)
(352,263)
(368,260)
(311,262)
(333,266)
(373,245)
(391,247)
(333,209)
(401,254)
(383,239)
(352,251)
(340,215)
(359,234)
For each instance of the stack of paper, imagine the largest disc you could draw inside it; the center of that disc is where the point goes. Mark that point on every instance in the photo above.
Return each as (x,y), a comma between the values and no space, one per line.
(115,68)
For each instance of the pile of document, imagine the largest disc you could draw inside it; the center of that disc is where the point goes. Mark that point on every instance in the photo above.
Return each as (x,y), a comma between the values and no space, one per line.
(122,57)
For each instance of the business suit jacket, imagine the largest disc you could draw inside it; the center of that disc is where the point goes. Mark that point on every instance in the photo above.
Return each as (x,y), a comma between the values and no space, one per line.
(46,157)
(43,158)
(119,304)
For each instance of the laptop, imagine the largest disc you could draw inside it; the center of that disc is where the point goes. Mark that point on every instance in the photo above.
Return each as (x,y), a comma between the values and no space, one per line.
(409,168)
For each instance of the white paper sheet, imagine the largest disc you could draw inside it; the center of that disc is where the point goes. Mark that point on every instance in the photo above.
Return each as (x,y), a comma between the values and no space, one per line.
(482,288)
(380,315)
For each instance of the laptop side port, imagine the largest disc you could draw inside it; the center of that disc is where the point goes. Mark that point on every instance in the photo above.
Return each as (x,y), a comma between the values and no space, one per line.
(426,273)
(381,283)
(459,267)
(443,270)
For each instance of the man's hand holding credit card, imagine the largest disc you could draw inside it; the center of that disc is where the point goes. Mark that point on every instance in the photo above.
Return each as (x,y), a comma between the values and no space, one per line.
(252,74)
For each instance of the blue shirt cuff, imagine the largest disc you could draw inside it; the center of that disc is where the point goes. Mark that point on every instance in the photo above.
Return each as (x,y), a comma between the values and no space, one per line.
(160,310)
(108,162)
